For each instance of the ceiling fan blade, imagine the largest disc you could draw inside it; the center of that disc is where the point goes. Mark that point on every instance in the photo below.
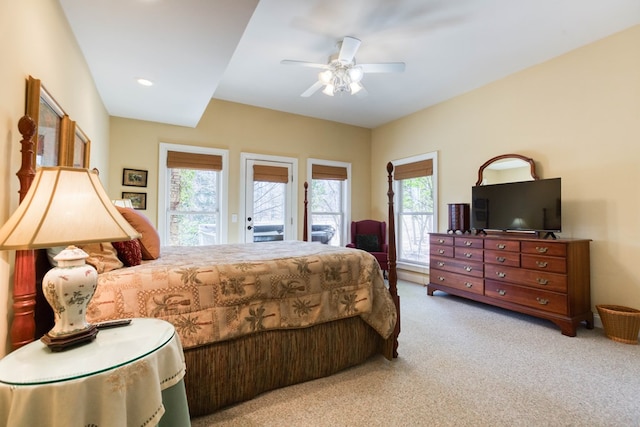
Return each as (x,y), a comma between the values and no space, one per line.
(383,67)
(304,64)
(313,89)
(348,49)
(362,93)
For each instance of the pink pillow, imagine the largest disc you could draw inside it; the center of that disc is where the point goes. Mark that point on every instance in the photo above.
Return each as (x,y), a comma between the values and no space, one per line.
(129,252)
(150,240)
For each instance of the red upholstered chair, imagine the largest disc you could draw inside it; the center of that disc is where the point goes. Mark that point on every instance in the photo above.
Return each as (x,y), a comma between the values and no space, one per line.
(371,236)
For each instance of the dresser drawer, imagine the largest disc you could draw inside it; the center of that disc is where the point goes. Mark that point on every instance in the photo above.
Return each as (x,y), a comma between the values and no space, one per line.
(446,251)
(537,279)
(468,242)
(458,281)
(544,263)
(470,268)
(503,245)
(469,254)
(502,258)
(534,298)
(440,240)
(545,248)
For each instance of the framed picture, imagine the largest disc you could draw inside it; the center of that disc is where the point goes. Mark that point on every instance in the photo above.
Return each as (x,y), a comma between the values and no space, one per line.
(138,200)
(134,177)
(52,126)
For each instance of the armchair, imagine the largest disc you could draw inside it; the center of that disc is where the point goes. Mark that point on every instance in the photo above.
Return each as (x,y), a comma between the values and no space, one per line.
(371,236)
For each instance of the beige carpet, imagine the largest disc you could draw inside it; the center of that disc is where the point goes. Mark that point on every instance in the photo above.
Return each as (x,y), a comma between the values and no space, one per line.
(464,364)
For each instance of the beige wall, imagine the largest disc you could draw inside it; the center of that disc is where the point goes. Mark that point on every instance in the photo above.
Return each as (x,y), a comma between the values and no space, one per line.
(578,116)
(35,39)
(242,128)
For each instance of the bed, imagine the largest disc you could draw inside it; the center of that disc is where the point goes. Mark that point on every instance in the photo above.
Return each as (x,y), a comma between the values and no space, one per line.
(251,317)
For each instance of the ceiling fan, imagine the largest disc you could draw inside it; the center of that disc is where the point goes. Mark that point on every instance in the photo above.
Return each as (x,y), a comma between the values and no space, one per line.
(341,74)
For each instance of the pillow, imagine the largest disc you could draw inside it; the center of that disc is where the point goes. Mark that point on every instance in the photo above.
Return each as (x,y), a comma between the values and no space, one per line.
(129,252)
(367,242)
(102,256)
(150,240)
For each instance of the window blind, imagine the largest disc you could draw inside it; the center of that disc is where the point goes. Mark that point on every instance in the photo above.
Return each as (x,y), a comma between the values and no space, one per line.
(413,170)
(183,160)
(270,173)
(337,173)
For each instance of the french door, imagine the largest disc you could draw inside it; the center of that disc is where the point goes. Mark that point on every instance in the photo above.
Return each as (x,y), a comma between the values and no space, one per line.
(269,199)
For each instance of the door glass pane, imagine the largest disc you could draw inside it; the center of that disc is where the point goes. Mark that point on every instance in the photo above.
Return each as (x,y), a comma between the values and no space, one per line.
(326,211)
(269,211)
(192,217)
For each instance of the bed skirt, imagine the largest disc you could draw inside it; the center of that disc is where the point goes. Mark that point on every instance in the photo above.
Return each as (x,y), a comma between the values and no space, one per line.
(224,373)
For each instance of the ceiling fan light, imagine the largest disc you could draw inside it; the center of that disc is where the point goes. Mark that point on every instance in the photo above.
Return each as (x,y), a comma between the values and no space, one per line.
(328,90)
(355,87)
(325,76)
(355,74)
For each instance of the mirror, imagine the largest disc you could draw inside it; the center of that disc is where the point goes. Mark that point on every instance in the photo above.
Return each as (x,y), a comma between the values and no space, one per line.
(507,168)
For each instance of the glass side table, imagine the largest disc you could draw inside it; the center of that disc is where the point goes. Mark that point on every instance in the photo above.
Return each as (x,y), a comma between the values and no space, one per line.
(128,376)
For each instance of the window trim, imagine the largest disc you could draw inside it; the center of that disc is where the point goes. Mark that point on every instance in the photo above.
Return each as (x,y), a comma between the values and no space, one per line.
(347,196)
(164,148)
(433,155)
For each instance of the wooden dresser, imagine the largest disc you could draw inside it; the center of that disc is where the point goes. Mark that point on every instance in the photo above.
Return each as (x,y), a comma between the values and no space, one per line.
(540,277)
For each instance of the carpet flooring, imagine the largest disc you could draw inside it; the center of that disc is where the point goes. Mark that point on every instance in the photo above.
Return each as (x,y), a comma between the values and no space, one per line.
(463,363)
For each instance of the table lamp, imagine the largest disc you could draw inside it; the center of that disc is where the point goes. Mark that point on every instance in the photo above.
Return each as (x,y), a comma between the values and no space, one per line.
(66,206)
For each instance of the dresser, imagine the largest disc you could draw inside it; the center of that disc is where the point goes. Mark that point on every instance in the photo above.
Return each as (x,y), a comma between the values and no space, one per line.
(545,278)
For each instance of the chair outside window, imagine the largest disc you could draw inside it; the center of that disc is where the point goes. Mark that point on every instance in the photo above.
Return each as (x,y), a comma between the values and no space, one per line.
(371,236)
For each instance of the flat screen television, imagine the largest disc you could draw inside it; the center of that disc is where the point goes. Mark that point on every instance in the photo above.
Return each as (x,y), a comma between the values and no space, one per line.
(517,206)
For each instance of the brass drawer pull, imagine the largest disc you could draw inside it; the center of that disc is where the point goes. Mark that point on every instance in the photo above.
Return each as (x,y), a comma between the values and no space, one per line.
(468,243)
(468,285)
(440,251)
(542,250)
(468,269)
(468,255)
(501,246)
(502,292)
(541,264)
(542,301)
(500,259)
(440,264)
(501,274)
(441,278)
(440,241)
(541,281)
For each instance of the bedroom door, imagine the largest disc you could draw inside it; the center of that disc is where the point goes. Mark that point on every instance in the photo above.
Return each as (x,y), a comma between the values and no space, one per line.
(269,200)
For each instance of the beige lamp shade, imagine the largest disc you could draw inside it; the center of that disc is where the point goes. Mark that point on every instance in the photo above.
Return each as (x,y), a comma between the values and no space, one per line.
(64,206)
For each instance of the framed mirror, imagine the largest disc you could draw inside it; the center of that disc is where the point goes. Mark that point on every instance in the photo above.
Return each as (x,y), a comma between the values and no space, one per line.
(507,168)
(49,139)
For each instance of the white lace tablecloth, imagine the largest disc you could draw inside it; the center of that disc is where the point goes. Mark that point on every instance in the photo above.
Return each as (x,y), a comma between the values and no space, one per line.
(116,380)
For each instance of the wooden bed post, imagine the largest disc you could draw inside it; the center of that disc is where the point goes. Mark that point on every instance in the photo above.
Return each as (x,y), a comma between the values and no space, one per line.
(393,276)
(305,231)
(23,325)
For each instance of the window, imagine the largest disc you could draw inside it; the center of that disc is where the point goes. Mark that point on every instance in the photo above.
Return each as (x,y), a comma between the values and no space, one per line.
(329,201)
(191,186)
(416,206)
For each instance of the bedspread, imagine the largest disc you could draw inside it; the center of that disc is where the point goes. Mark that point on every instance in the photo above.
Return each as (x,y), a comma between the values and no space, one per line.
(215,293)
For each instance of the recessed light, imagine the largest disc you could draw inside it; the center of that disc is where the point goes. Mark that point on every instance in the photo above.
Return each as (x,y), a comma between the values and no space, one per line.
(145,82)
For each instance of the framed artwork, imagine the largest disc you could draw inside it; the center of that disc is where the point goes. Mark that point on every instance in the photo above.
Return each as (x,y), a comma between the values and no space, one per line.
(134,177)
(50,140)
(138,200)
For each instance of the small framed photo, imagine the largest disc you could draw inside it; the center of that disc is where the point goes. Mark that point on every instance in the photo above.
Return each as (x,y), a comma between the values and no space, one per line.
(134,177)
(138,200)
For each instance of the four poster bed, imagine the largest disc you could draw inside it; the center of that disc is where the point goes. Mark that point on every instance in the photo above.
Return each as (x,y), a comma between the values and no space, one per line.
(251,317)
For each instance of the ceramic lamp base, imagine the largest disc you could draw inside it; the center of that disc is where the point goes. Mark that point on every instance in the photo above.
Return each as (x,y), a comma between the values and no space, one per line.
(60,343)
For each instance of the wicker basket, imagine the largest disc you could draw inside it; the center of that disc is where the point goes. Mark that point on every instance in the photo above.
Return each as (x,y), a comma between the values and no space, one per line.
(621,324)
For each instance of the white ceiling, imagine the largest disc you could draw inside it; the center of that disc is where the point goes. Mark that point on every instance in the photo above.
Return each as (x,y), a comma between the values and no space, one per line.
(194,50)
